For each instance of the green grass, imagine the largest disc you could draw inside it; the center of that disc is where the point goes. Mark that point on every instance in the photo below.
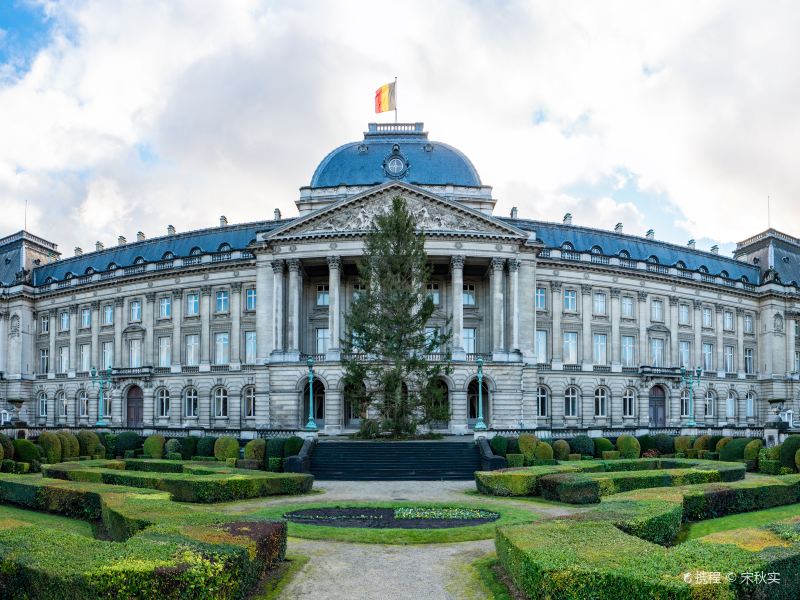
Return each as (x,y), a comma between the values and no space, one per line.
(487,577)
(508,516)
(284,574)
(750,519)
(10,515)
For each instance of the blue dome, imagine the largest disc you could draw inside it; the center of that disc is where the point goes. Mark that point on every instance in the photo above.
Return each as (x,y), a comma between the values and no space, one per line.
(395,152)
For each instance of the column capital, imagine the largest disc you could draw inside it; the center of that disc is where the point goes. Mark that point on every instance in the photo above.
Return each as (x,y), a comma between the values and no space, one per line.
(334,262)
(673,301)
(294,264)
(205,290)
(498,264)
(277,266)
(73,309)
(555,286)
(642,296)
(586,290)
(457,261)
(119,302)
(236,286)
(4,314)
(150,296)
(95,304)
(177,294)
(615,292)
(739,312)
(698,304)
(719,307)
(514,264)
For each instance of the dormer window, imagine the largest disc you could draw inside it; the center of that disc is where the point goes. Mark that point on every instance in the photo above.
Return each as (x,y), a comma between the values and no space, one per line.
(724,275)
(139,261)
(680,264)
(195,251)
(224,248)
(111,267)
(652,259)
(703,269)
(168,256)
(596,250)
(567,246)
(624,254)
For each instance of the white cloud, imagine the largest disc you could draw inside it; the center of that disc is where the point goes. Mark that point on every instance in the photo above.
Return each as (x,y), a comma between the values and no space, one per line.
(240,100)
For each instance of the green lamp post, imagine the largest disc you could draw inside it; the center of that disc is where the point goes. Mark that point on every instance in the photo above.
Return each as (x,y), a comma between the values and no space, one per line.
(693,375)
(479,424)
(101,379)
(311,425)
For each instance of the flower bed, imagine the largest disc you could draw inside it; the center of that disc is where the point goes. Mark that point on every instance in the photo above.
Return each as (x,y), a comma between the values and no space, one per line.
(407,517)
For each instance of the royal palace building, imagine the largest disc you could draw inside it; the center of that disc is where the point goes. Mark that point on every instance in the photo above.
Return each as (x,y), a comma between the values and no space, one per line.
(575,327)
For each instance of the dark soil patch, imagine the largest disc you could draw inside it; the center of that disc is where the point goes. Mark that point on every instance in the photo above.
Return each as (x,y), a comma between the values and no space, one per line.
(375,518)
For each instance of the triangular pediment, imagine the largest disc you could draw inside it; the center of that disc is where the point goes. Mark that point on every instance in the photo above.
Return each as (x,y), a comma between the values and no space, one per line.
(434,215)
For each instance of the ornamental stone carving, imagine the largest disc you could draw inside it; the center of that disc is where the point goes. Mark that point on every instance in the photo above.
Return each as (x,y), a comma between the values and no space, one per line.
(513,265)
(615,292)
(277,266)
(498,264)
(778,323)
(334,262)
(294,264)
(586,290)
(457,262)
(642,296)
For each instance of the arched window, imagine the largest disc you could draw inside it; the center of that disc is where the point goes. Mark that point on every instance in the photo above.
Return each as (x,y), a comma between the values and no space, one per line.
(61,404)
(250,401)
(224,247)
(730,406)
(628,403)
(744,279)
(190,402)
(139,260)
(624,254)
(710,401)
(42,405)
(168,256)
(750,405)
(221,403)
(703,269)
(684,403)
(596,250)
(68,276)
(111,267)
(83,403)
(724,274)
(567,246)
(680,264)
(652,259)
(89,270)
(163,402)
(600,402)
(542,401)
(196,251)
(571,402)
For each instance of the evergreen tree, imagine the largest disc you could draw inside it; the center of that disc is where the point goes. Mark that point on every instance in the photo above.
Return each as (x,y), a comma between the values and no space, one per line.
(386,346)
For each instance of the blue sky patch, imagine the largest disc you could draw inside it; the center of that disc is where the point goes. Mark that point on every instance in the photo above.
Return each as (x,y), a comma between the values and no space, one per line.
(24,30)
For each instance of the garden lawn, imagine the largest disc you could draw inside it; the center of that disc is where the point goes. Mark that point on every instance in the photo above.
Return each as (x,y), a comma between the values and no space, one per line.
(508,516)
(11,517)
(740,521)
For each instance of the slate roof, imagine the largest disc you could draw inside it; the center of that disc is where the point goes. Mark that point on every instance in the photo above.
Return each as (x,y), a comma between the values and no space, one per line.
(10,264)
(787,263)
(583,239)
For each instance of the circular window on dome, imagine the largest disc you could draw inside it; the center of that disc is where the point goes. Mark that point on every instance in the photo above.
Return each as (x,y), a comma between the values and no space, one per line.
(395,164)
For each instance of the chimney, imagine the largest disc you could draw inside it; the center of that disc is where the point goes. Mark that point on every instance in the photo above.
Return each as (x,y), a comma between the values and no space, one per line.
(650,235)
(170,230)
(691,244)
(121,241)
(277,214)
(98,246)
(139,236)
(513,212)
(618,228)
(714,249)
(78,251)
(223,221)
(568,219)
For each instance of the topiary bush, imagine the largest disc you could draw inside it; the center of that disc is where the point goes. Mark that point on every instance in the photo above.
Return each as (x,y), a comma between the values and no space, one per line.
(65,446)
(127,440)
(274,463)
(713,440)
(543,451)
(628,446)
(275,448)
(734,450)
(51,446)
(499,445)
(774,452)
(173,456)
(226,447)
(205,446)
(8,446)
(601,445)
(515,460)
(7,466)
(664,443)
(574,456)
(88,441)
(788,450)
(189,447)
(646,442)
(73,445)
(721,443)
(26,451)
(154,446)
(561,449)
(292,446)
(513,446)
(752,449)
(703,442)
(581,444)
(683,443)
(527,446)
(109,440)
(173,446)
(610,454)
(255,450)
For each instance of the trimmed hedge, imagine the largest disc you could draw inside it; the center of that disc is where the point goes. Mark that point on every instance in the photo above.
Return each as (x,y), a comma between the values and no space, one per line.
(255,450)
(561,449)
(51,446)
(226,447)
(499,445)
(275,447)
(734,450)
(683,443)
(26,451)
(610,455)
(646,442)
(292,446)
(722,443)
(582,444)
(7,445)
(543,452)
(572,488)
(788,450)
(601,445)
(127,440)
(189,447)
(154,446)
(88,441)
(527,446)
(628,446)
(205,446)
(70,447)
(752,449)
(515,460)
(664,443)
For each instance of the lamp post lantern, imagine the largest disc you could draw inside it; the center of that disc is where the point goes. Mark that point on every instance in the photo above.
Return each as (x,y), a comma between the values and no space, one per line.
(479,424)
(101,379)
(311,425)
(693,375)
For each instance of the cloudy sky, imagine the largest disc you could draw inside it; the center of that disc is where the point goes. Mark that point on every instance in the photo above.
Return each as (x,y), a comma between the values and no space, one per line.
(123,115)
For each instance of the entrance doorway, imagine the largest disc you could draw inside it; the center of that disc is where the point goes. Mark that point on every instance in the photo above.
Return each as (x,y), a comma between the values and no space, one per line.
(658,407)
(319,404)
(135,406)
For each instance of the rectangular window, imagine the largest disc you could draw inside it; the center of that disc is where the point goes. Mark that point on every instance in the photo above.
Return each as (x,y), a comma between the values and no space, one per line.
(708,357)
(43,406)
(250,347)
(64,321)
(165,307)
(86,318)
(44,360)
(749,364)
(134,353)
(684,352)
(192,350)
(599,303)
(541,345)
(683,314)
(86,357)
(323,339)
(657,352)
(541,298)
(108,314)
(729,357)
(136,311)
(600,344)
(221,348)
(470,341)
(433,293)
(748,323)
(727,320)
(657,311)
(83,405)
(708,320)
(469,294)
(358,290)
(192,305)
(250,299)
(164,351)
(44,324)
(571,347)
(628,351)
(63,359)
(108,355)
(430,334)
(570,300)
(628,401)
(223,301)
(626,303)
(323,295)
(797,362)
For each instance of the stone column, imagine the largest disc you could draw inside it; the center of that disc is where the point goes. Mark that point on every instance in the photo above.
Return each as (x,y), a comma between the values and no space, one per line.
(673,360)
(52,361)
(294,305)
(558,339)
(457,279)
(4,343)
(177,317)
(119,303)
(616,352)
(236,323)
(334,279)
(73,338)
(497,303)
(720,358)
(644,355)
(277,305)
(513,273)
(697,324)
(148,412)
(586,323)
(791,341)
(740,342)
(147,323)
(96,335)
(264,318)
(205,327)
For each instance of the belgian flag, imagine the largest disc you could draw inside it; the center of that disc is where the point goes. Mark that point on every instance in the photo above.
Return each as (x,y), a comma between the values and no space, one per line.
(385,98)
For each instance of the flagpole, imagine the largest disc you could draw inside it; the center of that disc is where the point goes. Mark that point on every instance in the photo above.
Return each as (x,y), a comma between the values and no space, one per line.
(395,100)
